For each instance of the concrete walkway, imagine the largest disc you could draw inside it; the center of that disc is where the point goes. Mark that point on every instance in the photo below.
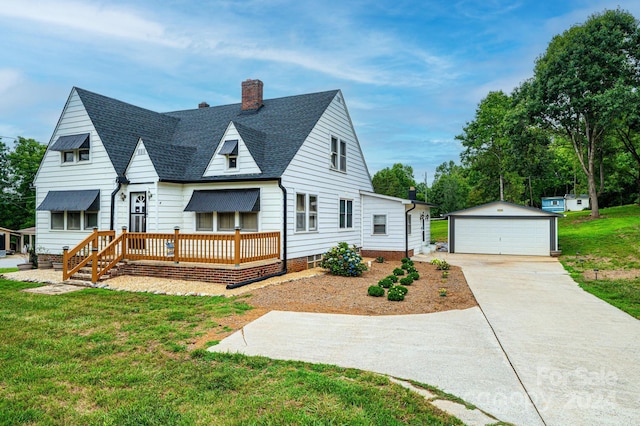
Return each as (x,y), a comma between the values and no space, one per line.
(537,337)
(577,356)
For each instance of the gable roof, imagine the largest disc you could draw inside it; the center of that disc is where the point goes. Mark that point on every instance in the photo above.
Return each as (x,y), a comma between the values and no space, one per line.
(532,210)
(181,143)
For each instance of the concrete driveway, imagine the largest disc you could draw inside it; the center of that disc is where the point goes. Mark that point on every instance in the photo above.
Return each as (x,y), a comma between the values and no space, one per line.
(577,356)
(537,338)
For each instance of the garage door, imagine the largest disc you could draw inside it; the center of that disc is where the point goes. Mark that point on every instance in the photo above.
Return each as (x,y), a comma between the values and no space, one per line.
(502,236)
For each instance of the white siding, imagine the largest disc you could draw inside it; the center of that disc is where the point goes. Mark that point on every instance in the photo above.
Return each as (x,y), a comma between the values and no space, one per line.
(571,204)
(394,239)
(310,172)
(55,176)
(140,168)
(415,238)
(246,164)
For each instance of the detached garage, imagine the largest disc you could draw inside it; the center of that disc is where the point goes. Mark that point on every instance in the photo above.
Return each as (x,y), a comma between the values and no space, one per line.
(503,228)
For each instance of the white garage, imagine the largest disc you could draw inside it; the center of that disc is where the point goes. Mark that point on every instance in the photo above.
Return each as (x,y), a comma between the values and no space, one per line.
(503,228)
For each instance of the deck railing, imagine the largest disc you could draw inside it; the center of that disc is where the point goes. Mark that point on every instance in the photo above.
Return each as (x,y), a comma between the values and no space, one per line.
(230,249)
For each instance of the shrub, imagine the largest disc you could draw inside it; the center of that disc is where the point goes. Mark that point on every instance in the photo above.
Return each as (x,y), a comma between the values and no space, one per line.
(398,271)
(415,276)
(405,266)
(406,281)
(406,260)
(375,291)
(441,264)
(411,269)
(385,283)
(380,259)
(343,260)
(401,289)
(395,295)
(393,278)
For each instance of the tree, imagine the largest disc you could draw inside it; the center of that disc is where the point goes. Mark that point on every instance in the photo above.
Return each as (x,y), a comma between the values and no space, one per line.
(17,206)
(450,190)
(577,84)
(394,181)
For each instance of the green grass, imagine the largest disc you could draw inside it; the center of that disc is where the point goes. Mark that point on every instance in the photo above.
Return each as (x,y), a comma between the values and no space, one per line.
(439,230)
(115,358)
(609,243)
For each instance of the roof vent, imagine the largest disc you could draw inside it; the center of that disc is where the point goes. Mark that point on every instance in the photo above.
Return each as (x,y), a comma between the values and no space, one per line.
(203,104)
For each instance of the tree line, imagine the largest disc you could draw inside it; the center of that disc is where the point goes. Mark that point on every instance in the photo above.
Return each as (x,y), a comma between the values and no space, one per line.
(574,127)
(18,167)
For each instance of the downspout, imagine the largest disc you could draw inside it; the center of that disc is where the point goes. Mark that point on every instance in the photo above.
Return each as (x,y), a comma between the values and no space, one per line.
(406,229)
(284,245)
(119,180)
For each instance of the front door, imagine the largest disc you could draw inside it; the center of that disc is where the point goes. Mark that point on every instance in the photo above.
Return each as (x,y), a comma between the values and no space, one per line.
(138,212)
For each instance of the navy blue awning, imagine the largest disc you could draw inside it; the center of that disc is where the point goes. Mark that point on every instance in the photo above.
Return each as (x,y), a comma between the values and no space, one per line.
(229,148)
(224,200)
(66,143)
(73,201)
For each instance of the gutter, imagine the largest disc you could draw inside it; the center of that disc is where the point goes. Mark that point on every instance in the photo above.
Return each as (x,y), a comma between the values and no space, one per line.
(119,180)
(406,234)
(284,243)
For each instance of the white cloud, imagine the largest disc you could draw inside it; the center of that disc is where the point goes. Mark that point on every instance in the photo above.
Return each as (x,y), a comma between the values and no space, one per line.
(9,79)
(99,19)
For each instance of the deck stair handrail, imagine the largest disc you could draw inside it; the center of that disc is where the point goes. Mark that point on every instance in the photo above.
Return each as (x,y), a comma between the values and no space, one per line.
(77,258)
(232,249)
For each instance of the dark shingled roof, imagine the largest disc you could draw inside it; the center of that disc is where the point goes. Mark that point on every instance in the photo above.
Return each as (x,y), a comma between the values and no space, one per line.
(181,143)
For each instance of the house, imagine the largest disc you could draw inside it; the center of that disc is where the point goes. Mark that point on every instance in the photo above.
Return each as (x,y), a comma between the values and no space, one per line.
(211,184)
(503,228)
(566,203)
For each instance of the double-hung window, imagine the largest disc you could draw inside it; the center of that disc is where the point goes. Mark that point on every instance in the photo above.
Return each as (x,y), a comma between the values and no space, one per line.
(204,222)
(346,214)
(379,224)
(306,212)
(338,154)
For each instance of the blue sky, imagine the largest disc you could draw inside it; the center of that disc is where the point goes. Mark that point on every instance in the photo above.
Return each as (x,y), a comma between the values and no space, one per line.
(412,72)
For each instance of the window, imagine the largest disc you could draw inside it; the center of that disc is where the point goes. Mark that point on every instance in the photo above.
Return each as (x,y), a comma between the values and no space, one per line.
(57,220)
(226,221)
(408,224)
(338,154)
(204,222)
(301,213)
(232,162)
(249,221)
(578,202)
(90,220)
(83,155)
(379,224)
(313,212)
(73,220)
(306,212)
(346,213)
(554,203)
(67,157)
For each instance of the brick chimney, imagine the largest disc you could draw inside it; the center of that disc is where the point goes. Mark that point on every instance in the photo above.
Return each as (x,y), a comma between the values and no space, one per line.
(251,95)
(203,104)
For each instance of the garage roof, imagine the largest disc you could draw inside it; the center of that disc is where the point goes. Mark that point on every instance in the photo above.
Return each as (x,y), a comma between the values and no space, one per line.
(502,209)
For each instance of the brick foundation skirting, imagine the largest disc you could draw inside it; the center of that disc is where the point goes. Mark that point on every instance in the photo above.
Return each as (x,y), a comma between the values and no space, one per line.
(298,264)
(387,254)
(212,274)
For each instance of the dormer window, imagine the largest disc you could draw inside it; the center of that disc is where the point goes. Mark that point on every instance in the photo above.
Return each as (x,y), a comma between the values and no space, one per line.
(230,150)
(73,148)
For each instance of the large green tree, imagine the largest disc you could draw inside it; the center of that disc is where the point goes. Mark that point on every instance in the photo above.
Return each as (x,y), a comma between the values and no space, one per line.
(394,181)
(19,165)
(578,82)
(450,190)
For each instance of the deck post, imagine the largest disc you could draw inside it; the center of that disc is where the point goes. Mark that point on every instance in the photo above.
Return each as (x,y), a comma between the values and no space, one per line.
(236,247)
(176,250)
(94,241)
(124,243)
(94,265)
(65,254)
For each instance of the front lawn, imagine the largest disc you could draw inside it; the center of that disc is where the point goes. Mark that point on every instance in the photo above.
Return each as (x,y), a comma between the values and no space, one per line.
(117,358)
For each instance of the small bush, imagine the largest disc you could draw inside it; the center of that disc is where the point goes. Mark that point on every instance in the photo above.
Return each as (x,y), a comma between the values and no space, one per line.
(406,281)
(393,278)
(385,283)
(398,271)
(401,289)
(445,274)
(441,264)
(395,295)
(380,259)
(411,269)
(405,260)
(375,291)
(343,260)
(415,276)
